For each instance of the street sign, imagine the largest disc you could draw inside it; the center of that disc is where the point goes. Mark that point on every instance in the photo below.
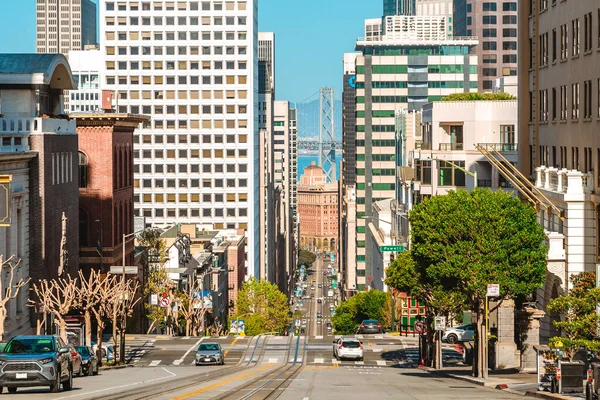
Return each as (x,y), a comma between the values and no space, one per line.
(129,270)
(334,284)
(419,327)
(154,299)
(391,248)
(440,323)
(493,290)
(164,302)
(332,257)
(5,199)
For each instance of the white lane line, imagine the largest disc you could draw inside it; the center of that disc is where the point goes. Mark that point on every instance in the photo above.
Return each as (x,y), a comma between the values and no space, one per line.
(145,382)
(359,362)
(381,363)
(319,361)
(185,338)
(168,372)
(318,337)
(273,360)
(177,362)
(154,363)
(377,350)
(195,346)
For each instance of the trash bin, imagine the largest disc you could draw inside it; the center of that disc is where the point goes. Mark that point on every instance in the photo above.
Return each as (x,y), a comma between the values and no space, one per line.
(468,353)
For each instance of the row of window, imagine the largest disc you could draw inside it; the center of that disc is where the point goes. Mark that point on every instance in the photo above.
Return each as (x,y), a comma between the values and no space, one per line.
(404,69)
(204,21)
(555,102)
(547,49)
(178,80)
(549,156)
(171,5)
(182,65)
(179,50)
(184,35)
(206,198)
(493,6)
(492,20)
(185,212)
(184,139)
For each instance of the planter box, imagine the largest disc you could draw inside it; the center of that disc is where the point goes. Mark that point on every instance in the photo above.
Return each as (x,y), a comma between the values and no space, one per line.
(571,380)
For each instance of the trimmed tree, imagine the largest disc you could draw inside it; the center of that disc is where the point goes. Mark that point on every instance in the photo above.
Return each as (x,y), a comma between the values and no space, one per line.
(12,288)
(263,306)
(467,240)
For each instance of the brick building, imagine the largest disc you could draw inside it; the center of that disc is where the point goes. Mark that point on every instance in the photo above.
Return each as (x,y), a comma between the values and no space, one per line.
(106,196)
(318,210)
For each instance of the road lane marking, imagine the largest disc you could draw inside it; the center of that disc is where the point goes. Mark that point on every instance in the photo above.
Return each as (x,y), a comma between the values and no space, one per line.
(144,382)
(168,372)
(154,363)
(216,385)
(359,362)
(230,346)
(273,360)
(319,361)
(381,363)
(195,346)
(377,350)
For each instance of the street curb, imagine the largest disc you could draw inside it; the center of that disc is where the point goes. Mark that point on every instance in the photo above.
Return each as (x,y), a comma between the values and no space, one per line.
(108,368)
(470,379)
(546,395)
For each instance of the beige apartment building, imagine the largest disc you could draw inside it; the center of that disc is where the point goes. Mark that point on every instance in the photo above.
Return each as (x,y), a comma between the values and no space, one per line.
(494,23)
(65,25)
(318,210)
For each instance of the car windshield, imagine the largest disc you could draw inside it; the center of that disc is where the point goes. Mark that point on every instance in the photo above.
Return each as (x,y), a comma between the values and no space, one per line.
(29,345)
(371,321)
(465,327)
(84,351)
(351,344)
(209,347)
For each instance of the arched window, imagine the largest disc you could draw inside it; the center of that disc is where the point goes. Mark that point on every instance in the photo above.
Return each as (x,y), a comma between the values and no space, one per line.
(83,226)
(83,170)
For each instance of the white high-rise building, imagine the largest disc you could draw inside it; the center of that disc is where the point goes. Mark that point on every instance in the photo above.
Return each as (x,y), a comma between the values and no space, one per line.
(192,66)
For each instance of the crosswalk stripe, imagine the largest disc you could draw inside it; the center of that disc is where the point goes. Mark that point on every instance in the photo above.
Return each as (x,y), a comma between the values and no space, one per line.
(335,361)
(359,362)
(177,362)
(381,363)
(319,361)
(154,363)
(273,360)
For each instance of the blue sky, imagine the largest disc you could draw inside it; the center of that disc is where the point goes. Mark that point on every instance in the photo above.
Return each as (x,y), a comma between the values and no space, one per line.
(310,38)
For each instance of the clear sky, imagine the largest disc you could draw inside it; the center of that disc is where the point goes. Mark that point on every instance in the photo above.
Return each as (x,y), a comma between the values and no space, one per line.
(310,38)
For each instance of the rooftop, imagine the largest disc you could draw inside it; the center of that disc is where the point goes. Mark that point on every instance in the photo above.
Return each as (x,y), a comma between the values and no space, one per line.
(36,69)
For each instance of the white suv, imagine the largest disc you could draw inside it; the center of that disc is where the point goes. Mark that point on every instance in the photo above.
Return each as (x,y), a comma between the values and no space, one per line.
(348,348)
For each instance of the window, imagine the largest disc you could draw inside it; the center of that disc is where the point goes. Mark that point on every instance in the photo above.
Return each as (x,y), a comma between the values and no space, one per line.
(544,49)
(587,99)
(487,7)
(509,19)
(575,101)
(489,32)
(587,33)
(543,105)
(564,42)
(490,46)
(575,33)
(553,45)
(450,175)
(83,170)
(509,6)
(509,32)
(563,103)
(489,20)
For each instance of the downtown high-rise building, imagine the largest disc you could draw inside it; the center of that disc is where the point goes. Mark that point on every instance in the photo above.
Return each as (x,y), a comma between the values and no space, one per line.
(191,66)
(267,196)
(413,64)
(399,7)
(494,23)
(65,25)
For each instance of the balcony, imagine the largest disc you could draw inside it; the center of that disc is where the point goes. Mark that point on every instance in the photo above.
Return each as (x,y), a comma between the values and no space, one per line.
(564,180)
(15,126)
(452,146)
(484,183)
(420,145)
(499,146)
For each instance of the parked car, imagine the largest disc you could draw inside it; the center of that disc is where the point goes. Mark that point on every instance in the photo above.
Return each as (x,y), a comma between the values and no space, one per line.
(36,361)
(210,353)
(319,314)
(370,326)
(345,347)
(319,300)
(462,333)
(89,361)
(76,360)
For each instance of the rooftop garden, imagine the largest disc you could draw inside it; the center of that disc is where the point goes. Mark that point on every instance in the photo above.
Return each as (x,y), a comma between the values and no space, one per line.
(478,97)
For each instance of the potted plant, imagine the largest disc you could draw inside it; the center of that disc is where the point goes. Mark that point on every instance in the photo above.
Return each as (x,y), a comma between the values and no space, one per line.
(578,325)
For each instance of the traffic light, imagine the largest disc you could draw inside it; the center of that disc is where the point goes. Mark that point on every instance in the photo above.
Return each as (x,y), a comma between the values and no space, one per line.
(165,294)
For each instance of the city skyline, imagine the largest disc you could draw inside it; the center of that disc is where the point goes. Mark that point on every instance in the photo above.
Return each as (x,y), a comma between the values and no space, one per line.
(300,43)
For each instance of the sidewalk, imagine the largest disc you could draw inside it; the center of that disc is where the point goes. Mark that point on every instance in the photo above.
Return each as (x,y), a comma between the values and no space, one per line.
(512,381)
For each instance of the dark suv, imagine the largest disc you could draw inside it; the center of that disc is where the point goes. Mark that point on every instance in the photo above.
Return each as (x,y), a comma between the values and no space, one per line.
(370,326)
(36,361)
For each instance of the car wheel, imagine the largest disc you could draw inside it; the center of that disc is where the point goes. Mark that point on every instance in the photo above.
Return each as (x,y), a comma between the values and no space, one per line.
(1,389)
(55,387)
(452,338)
(68,384)
(12,390)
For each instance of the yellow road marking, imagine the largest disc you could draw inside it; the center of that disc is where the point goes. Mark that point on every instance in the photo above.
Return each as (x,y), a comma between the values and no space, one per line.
(216,385)
(230,346)
(336,365)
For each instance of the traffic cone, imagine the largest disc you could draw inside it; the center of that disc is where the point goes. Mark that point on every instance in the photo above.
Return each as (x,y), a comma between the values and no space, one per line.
(422,362)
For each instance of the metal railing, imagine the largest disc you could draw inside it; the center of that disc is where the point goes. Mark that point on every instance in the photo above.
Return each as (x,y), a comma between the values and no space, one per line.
(420,145)
(499,146)
(452,146)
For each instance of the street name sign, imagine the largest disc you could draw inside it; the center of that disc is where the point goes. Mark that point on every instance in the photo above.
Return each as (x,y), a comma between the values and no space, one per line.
(493,290)
(391,248)
(129,269)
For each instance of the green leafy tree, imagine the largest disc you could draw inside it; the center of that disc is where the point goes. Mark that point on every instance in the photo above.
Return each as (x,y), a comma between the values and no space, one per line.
(478,97)
(265,303)
(579,322)
(467,240)
(306,258)
(157,279)
(364,305)
(405,276)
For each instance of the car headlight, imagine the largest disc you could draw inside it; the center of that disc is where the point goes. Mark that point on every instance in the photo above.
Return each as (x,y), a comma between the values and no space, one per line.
(84,361)
(46,361)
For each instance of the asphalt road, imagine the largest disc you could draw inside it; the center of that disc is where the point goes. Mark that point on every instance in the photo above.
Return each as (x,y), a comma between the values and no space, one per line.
(288,368)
